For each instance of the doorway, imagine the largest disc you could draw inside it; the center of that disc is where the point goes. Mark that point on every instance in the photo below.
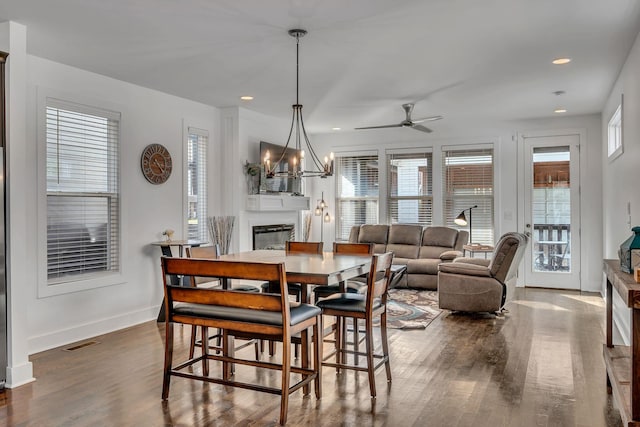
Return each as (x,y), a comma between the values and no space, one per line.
(551,210)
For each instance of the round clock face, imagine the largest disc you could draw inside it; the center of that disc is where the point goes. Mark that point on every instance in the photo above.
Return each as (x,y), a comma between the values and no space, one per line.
(156,163)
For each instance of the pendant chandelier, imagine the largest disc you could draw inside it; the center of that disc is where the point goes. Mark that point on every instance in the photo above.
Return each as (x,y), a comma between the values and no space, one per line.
(296,167)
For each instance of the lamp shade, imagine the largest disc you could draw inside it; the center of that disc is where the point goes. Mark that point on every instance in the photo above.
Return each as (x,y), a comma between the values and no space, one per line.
(461,219)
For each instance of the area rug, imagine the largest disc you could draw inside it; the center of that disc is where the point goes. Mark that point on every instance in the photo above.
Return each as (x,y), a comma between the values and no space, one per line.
(411,309)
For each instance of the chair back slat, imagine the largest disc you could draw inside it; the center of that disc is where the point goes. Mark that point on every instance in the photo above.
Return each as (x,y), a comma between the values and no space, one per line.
(207,252)
(353,248)
(272,272)
(379,276)
(303,247)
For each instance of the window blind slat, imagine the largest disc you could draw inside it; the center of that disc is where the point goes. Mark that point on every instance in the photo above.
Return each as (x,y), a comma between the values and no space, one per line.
(82,191)
(410,197)
(197,142)
(356,192)
(468,181)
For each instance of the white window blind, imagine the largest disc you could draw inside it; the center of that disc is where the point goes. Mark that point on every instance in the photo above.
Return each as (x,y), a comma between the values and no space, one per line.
(356,192)
(197,142)
(83,215)
(468,181)
(614,137)
(410,199)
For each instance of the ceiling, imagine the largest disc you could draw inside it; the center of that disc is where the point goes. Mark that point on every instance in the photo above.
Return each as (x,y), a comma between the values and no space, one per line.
(467,60)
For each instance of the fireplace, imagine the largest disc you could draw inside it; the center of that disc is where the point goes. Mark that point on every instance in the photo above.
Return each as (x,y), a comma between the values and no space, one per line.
(272,236)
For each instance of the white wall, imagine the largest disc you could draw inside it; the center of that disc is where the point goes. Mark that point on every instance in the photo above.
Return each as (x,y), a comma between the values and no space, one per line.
(241,133)
(621,175)
(37,323)
(147,117)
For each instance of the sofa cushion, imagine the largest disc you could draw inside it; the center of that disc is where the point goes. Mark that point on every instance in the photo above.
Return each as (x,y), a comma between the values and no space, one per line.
(376,234)
(404,240)
(405,234)
(439,236)
(423,266)
(432,251)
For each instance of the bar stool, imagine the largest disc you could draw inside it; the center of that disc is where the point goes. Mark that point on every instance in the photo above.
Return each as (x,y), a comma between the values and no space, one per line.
(358,306)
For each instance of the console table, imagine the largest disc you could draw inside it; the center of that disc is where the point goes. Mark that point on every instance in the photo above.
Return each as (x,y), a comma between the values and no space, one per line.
(622,362)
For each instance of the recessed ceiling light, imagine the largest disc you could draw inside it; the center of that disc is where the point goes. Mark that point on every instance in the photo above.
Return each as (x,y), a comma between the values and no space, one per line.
(336,128)
(560,110)
(561,61)
(246,98)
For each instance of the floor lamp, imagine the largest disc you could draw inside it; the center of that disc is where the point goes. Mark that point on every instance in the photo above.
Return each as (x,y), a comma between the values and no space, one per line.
(462,220)
(320,211)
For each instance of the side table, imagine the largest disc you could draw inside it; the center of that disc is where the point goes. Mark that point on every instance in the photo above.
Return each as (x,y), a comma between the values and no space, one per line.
(165,246)
(473,249)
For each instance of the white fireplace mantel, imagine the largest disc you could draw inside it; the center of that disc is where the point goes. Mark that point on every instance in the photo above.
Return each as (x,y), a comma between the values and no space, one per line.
(277,202)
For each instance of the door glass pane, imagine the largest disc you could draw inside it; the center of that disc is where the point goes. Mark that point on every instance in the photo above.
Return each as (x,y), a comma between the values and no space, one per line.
(551,210)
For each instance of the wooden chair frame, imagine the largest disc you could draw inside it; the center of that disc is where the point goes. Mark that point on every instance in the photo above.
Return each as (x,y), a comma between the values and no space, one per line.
(232,300)
(377,287)
(211,252)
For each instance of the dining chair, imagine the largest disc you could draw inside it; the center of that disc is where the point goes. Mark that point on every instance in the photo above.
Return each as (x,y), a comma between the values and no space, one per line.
(353,286)
(213,252)
(245,314)
(368,306)
(292,247)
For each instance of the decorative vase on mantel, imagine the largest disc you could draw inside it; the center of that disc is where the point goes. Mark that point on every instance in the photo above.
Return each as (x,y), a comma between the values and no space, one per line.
(252,171)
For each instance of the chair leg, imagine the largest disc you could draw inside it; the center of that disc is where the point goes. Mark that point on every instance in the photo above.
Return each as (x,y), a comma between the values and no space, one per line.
(256,346)
(356,341)
(192,343)
(338,343)
(304,363)
(205,350)
(272,348)
(286,378)
(370,362)
(317,355)
(168,356)
(385,344)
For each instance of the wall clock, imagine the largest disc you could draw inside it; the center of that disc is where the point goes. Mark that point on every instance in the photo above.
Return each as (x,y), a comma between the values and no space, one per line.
(156,163)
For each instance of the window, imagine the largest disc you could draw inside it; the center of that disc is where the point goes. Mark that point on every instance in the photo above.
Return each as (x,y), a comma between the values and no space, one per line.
(356,192)
(468,181)
(197,141)
(615,134)
(83,215)
(410,199)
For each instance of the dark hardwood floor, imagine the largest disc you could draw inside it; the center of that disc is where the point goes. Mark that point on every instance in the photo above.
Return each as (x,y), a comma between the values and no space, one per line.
(539,365)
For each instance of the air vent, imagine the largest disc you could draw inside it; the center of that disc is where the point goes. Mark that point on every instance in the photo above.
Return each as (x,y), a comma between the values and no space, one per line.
(82,345)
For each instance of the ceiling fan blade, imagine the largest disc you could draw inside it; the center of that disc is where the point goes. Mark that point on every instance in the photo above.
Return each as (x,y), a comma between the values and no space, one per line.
(427,119)
(422,128)
(399,125)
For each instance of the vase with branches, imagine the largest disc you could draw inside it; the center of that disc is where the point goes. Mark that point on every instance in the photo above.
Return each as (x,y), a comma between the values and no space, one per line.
(221,230)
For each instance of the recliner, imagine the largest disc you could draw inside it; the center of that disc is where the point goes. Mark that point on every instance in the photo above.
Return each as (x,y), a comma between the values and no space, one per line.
(478,285)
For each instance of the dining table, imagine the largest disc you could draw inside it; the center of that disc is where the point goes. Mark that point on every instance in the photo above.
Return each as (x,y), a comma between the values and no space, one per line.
(310,269)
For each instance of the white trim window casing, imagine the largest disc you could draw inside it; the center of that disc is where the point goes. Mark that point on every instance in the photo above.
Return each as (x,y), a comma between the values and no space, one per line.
(197,144)
(409,188)
(356,192)
(467,177)
(82,191)
(614,134)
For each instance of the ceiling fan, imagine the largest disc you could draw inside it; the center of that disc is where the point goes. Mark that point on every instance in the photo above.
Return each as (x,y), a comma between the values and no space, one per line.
(408,108)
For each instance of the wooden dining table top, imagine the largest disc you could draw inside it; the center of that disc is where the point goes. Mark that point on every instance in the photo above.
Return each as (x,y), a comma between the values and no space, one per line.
(317,269)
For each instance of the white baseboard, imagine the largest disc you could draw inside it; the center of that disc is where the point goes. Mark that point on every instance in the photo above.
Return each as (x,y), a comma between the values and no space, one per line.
(91,329)
(19,375)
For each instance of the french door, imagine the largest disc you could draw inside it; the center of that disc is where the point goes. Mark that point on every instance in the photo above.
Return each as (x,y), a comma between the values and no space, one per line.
(552,210)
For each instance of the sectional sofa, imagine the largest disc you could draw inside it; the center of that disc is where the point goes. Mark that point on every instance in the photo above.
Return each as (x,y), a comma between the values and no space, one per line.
(420,248)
